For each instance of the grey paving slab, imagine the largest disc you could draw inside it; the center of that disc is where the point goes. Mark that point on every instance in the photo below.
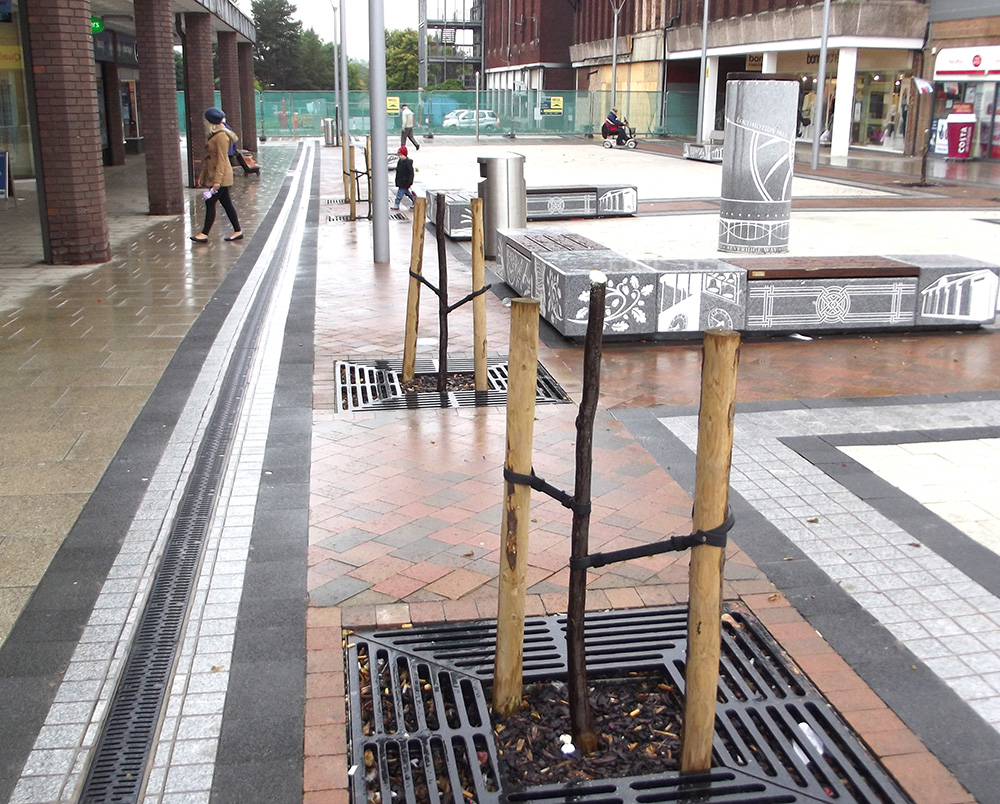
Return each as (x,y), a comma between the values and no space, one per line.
(873,582)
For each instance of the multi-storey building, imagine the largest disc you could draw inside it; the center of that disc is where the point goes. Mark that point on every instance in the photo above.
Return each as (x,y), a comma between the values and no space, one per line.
(450,41)
(873,49)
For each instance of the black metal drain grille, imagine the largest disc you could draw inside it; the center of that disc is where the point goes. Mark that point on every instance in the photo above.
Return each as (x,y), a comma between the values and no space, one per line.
(393,216)
(375,385)
(420,725)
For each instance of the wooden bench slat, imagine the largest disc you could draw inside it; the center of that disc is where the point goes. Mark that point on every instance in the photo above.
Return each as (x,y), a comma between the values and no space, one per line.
(772,268)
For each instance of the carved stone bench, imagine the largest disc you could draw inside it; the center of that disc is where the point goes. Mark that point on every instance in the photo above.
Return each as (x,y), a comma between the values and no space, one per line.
(542,203)
(682,298)
(553,203)
(834,293)
(458,212)
(710,151)
(516,248)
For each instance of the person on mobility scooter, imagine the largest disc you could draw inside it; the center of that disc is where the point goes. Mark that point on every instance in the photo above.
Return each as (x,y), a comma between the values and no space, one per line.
(619,129)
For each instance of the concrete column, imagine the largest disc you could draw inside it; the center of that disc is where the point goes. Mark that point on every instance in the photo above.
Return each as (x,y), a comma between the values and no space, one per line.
(67,136)
(248,103)
(229,80)
(847,69)
(154,25)
(421,43)
(110,75)
(376,100)
(711,96)
(200,86)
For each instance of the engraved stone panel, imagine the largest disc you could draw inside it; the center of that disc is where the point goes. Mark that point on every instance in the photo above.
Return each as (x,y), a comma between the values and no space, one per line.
(564,283)
(955,290)
(826,304)
(695,295)
(458,212)
(550,203)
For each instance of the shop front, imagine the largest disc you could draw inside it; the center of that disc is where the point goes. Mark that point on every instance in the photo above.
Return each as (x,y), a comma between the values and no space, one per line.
(117,76)
(15,132)
(878,113)
(966,86)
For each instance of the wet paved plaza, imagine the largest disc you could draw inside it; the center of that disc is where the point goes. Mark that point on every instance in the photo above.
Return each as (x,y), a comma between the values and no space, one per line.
(110,375)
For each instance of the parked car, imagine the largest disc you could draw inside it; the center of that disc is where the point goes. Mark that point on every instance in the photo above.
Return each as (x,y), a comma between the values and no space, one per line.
(466,119)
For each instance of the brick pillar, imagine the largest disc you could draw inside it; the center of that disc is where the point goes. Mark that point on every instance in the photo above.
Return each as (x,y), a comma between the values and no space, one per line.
(229,79)
(154,25)
(113,113)
(200,90)
(67,130)
(248,103)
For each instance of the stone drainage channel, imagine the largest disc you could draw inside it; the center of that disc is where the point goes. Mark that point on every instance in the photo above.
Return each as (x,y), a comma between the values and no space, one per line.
(420,725)
(153,686)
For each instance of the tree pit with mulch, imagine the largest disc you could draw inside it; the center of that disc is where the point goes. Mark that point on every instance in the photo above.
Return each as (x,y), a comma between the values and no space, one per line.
(428,383)
(637,721)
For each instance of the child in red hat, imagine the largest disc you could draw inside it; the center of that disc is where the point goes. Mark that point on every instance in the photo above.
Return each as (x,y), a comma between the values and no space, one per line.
(404,177)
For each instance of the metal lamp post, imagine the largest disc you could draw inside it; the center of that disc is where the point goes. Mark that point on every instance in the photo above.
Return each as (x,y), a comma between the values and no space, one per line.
(704,69)
(616,7)
(819,109)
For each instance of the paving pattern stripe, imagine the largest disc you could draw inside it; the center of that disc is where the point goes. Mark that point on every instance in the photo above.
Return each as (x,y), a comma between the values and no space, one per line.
(833,554)
(83,707)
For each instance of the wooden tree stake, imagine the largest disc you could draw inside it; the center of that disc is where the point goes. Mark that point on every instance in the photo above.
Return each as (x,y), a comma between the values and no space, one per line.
(711,497)
(478,303)
(344,147)
(353,194)
(413,296)
(522,380)
(442,251)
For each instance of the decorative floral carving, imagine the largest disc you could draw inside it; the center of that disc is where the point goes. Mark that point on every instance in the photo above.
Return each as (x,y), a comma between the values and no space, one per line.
(624,304)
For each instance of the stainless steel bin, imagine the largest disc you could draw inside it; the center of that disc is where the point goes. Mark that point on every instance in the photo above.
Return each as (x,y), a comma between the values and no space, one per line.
(329,131)
(504,197)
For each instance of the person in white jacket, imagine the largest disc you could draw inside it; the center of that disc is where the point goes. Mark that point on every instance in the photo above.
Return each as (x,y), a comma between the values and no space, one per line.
(406,117)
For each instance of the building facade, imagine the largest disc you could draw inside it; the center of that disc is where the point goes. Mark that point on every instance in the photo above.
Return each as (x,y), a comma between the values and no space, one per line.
(84,83)
(874,48)
(526,52)
(962,59)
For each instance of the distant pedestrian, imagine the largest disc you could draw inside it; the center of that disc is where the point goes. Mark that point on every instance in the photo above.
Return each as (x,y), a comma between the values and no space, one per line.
(217,174)
(404,177)
(406,116)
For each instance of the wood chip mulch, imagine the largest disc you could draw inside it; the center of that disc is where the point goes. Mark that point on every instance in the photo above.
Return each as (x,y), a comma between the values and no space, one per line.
(456,381)
(637,720)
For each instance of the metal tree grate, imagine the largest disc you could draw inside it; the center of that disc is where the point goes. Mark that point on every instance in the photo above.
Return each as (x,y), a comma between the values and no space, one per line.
(420,723)
(376,386)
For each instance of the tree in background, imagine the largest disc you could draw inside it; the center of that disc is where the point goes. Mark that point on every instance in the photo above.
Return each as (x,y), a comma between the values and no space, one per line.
(276,52)
(317,63)
(357,75)
(452,84)
(401,60)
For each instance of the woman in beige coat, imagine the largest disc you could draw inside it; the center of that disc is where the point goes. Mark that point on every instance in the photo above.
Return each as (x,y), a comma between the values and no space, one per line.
(217,175)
